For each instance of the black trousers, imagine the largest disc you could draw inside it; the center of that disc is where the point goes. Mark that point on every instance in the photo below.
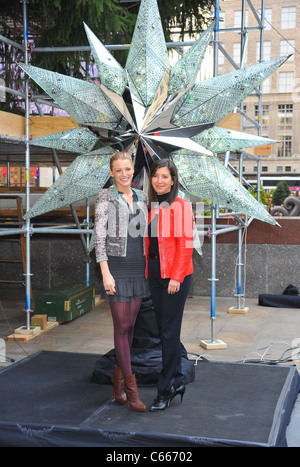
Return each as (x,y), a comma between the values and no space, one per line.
(169,312)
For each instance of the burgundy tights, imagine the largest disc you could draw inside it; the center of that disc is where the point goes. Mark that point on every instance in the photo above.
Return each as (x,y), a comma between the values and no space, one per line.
(124,315)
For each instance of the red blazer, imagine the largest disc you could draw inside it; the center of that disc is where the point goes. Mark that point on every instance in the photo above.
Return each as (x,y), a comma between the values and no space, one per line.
(175,240)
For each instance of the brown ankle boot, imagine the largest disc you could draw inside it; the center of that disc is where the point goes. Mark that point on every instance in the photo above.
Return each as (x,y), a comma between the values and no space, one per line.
(133,397)
(118,384)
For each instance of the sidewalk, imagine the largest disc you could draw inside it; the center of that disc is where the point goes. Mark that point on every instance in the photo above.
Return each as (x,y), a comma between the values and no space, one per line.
(262,333)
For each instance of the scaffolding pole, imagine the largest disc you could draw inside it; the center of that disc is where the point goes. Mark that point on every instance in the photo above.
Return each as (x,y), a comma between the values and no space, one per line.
(213,343)
(27,176)
(240,270)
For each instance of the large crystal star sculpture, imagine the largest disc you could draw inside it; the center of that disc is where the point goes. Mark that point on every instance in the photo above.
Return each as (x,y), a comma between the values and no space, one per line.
(169,114)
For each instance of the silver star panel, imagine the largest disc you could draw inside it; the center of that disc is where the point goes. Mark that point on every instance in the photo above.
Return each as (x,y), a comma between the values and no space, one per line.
(170,113)
(185,71)
(148,57)
(110,72)
(211,100)
(84,101)
(220,140)
(207,178)
(78,140)
(84,177)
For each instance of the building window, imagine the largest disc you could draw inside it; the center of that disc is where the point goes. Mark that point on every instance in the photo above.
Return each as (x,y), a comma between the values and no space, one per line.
(284,147)
(288,168)
(264,168)
(288,17)
(236,55)
(266,55)
(288,48)
(267,19)
(264,118)
(237,19)
(266,88)
(222,19)
(279,168)
(220,58)
(285,116)
(285,81)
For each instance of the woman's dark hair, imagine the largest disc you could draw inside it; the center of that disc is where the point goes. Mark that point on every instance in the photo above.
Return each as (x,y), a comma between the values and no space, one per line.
(174,174)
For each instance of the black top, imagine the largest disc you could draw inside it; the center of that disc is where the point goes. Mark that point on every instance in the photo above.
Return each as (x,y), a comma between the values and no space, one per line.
(134,259)
(152,229)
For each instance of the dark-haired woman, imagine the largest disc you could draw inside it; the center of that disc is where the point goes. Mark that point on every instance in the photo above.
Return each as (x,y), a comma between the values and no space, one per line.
(169,248)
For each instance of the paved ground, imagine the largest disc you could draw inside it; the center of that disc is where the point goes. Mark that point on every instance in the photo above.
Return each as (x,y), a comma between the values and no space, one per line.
(262,333)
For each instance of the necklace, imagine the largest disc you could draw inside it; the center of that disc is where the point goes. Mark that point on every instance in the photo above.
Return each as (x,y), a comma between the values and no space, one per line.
(128,196)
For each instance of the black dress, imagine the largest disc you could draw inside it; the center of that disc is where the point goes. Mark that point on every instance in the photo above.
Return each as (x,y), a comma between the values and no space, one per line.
(129,271)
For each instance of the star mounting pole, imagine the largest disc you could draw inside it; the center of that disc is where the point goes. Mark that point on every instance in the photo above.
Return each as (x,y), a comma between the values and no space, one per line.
(27,175)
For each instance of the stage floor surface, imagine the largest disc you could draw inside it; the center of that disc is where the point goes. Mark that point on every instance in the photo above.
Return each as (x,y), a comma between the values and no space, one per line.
(264,333)
(50,399)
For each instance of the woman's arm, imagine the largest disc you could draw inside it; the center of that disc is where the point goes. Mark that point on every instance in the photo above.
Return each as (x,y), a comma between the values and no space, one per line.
(101,225)
(183,234)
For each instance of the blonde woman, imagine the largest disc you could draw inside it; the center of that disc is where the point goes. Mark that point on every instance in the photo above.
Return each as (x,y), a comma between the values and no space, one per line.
(120,224)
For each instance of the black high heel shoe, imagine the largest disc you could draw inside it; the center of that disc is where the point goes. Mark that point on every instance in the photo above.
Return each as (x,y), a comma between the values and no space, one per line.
(162,402)
(180,390)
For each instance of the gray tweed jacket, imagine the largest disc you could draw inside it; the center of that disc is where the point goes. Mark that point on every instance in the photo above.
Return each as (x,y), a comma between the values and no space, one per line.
(112,220)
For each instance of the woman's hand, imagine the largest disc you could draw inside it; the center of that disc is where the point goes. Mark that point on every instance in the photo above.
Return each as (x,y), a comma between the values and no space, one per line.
(173,286)
(109,283)
(108,280)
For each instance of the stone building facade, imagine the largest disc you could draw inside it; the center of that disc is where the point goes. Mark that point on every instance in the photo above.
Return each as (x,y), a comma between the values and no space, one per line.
(280,103)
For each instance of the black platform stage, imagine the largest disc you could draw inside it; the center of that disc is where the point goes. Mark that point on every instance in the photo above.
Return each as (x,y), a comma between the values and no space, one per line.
(51,400)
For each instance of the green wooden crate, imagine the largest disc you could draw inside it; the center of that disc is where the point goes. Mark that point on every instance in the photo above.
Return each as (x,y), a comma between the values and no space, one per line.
(65,302)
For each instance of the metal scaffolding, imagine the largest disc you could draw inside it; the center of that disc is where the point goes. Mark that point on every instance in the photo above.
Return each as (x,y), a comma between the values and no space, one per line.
(242,225)
(85,229)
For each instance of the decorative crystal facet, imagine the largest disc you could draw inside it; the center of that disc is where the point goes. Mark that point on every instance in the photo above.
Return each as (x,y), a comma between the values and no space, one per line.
(111,74)
(83,101)
(148,57)
(213,99)
(220,140)
(84,177)
(185,71)
(78,140)
(207,178)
